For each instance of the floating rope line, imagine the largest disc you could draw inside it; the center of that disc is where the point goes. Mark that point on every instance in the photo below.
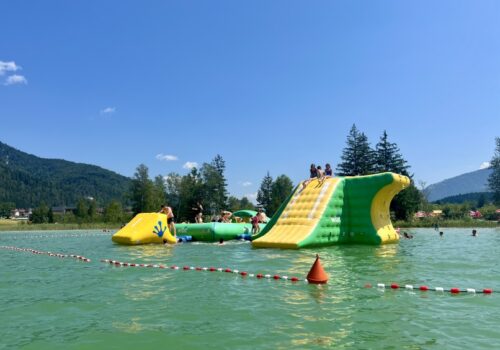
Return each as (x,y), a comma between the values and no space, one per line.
(57,255)
(55,235)
(210,269)
(424,288)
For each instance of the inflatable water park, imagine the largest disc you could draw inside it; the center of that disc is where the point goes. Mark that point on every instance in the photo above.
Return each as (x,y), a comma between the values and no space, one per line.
(331,211)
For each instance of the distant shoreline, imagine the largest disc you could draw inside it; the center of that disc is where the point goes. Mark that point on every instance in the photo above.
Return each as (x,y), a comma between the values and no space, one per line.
(23,227)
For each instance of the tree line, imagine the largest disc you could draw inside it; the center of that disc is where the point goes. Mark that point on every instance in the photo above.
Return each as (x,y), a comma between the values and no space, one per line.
(208,186)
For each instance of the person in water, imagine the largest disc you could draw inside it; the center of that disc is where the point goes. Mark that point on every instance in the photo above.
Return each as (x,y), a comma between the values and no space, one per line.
(198,211)
(170,218)
(474,233)
(441,233)
(221,241)
(406,235)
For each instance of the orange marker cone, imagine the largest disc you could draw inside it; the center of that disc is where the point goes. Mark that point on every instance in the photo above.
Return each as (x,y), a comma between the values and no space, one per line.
(317,275)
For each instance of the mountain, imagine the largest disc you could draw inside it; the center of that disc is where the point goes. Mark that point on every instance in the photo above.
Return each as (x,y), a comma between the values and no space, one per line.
(475,181)
(473,197)
(27,180)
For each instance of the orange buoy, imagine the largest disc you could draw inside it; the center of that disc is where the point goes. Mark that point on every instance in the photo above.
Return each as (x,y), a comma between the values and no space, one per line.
(317,275)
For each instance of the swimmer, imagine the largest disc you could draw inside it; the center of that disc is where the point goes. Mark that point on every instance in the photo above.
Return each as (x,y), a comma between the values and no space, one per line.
(441,233)
(474,233)
(221,241)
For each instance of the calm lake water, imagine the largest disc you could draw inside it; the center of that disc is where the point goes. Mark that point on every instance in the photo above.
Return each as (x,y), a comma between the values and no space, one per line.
(53,303)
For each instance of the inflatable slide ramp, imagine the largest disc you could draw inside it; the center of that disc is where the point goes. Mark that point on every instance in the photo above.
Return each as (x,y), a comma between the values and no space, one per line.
(334,211)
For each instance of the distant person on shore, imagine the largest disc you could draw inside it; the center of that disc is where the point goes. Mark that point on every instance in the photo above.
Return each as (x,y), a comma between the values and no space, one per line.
(441,233)
(170,218)
(474,233)
(328,170)
(198,213)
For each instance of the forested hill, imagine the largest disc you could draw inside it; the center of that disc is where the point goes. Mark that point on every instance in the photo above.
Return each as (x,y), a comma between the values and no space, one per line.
(27,180)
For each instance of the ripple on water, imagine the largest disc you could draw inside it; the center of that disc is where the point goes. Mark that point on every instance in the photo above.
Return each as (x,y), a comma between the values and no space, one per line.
(51,302)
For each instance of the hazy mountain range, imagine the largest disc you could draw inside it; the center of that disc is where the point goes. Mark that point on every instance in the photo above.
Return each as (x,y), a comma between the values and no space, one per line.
(473,182)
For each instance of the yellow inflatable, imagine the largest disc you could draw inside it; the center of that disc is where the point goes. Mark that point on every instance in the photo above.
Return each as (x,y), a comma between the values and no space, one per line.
(145,228)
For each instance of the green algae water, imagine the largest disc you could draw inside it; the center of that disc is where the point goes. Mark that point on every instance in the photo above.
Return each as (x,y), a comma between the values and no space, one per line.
(63,303)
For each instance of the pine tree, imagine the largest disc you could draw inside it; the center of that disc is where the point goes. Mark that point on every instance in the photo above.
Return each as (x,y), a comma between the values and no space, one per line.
(357,157)
(142,191)
(221,185)
(388,157)
(280,190)
(494,178)
(264,194)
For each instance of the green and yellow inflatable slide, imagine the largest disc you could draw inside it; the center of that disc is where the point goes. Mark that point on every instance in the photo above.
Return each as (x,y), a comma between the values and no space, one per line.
(335,211)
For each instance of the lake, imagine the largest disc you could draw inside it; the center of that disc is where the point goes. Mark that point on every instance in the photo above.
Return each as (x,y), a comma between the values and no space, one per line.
(50,302)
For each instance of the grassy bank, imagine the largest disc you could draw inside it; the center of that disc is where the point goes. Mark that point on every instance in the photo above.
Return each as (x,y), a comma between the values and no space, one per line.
(12,225)
(446,223)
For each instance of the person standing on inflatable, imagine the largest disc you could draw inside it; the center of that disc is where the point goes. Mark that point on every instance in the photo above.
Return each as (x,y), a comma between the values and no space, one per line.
(170,218)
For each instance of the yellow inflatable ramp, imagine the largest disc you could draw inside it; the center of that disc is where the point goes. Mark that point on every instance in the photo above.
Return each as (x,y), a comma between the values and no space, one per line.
(301,216)
(145,228)
(341,210)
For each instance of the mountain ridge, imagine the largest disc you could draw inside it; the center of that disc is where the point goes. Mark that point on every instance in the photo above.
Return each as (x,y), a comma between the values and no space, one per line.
(27,180)
(471,182)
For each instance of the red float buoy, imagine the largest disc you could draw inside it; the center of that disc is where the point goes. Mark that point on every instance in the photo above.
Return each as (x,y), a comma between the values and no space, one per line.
(424,288)
(259,275)
(487,291)
(454,290)
(317,275)
(394,286)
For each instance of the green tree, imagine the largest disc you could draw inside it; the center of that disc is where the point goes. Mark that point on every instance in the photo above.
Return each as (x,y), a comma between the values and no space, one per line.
(481,201)
(280,190)
(92,209)
(173,190)
(406,203)
(50,216)
(142,191)
(113,213)
(357,157)
(40,214)
(6,209)
(245,203)
(160,191)
(191,191)
(494,178)
(82,209)
(264,194)
(214,185)
(389,158)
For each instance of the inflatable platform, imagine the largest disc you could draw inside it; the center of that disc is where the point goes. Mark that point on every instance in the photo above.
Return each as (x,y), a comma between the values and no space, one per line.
(335,211)
(145,228)
(214,231)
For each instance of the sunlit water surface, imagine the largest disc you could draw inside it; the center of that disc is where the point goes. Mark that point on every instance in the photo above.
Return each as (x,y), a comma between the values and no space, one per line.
(51,303)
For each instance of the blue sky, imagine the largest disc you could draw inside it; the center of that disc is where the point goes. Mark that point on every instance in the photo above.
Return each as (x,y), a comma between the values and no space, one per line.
(269,85)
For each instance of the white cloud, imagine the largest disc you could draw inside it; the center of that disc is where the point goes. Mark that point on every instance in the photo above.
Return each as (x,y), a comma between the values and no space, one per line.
(15,79)
(246,184)
(190,165)
(108,110)
(166,157)
(251,196)
(484,165)
(8,67)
